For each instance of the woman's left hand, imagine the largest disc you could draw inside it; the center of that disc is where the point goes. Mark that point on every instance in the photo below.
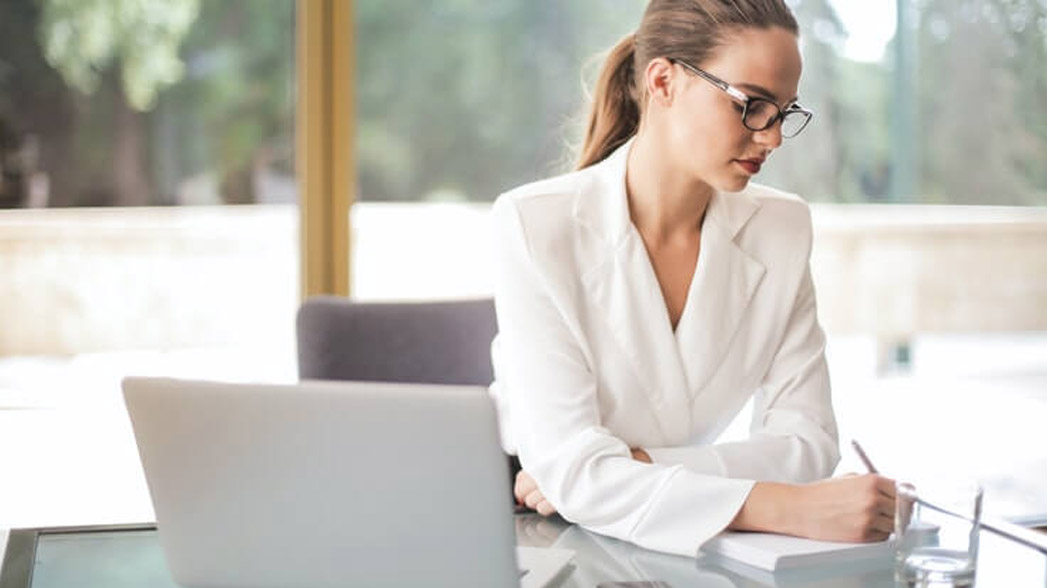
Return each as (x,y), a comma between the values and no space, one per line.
(641,455)
(527,493)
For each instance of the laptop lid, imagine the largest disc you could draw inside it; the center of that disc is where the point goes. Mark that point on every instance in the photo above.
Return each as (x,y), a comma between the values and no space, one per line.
(324,484)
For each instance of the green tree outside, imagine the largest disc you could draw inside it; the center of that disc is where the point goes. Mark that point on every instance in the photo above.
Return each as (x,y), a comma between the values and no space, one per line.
(134,102)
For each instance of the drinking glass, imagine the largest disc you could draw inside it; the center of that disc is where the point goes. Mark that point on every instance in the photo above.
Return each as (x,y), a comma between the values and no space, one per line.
(936,525)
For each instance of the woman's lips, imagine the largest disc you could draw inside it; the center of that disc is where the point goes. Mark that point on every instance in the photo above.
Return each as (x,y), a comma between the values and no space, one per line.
(752,166)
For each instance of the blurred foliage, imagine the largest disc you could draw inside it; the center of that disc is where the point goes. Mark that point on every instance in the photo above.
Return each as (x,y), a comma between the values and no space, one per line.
(818,163)
(445,85)
(982,84)
(463,99)
(233,114)
(980,131)
(467,98)
(81,38)
(152,101)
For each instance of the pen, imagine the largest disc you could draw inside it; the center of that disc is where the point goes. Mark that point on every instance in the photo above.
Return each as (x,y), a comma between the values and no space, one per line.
(865,458)
(1007,529)
(1016,533)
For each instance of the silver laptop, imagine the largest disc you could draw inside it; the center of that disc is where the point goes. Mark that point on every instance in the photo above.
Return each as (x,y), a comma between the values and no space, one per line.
(324,484)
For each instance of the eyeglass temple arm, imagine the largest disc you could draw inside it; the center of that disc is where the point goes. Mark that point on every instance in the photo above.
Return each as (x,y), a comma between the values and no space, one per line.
(731,90)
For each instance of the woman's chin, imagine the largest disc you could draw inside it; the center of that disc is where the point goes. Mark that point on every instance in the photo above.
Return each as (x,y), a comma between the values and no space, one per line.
(734,183)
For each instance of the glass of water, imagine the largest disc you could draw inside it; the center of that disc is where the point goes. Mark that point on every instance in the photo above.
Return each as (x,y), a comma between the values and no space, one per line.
(936,525)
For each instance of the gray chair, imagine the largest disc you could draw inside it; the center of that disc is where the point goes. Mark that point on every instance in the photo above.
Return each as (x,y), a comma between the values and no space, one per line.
(418,342)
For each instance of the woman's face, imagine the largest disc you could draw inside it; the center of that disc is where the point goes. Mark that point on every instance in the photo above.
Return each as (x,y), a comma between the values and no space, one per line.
(705,131)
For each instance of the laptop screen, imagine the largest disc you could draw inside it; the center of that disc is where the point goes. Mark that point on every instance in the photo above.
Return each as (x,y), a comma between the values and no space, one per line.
(95,559)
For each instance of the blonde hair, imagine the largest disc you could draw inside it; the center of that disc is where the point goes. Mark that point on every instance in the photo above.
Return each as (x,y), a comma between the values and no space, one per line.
(689,30)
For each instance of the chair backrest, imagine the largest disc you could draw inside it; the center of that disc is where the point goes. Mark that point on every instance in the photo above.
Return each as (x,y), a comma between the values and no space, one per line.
(420,342)
(415,342)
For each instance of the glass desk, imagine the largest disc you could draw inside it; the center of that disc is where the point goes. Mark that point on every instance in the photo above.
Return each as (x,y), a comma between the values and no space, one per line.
(130,556)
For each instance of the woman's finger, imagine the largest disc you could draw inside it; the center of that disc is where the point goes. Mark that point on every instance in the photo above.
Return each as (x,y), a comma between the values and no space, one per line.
(533,499)
(544,508)
(885,505)
(884,524)
(886,486)
(877,535)
(525,484)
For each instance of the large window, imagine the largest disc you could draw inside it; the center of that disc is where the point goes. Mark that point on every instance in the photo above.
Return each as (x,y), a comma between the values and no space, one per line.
(463,100)
(945,113)
(128,103)
(123,123)
(148,225)
(940,106)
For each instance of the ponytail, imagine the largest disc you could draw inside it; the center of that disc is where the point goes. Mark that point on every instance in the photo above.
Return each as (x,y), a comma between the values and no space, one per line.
(615,114)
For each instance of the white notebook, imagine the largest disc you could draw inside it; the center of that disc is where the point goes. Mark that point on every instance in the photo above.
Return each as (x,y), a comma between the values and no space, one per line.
(779,552)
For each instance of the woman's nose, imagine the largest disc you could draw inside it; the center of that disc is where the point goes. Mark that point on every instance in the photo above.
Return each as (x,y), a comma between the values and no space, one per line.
(771,136)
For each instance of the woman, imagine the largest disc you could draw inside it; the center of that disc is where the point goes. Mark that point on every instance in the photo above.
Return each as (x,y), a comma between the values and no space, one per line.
(644,298)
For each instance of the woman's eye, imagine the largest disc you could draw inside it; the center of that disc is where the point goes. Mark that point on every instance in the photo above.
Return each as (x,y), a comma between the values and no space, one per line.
(737,107)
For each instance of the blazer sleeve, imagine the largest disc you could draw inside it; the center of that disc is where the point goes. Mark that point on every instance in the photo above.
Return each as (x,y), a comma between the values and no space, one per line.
(793,435)
(583,470)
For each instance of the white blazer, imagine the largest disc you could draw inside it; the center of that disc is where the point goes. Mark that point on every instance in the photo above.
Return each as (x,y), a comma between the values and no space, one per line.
(587,364)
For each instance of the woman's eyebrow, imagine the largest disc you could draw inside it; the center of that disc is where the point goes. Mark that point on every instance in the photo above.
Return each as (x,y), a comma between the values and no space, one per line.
(764,92)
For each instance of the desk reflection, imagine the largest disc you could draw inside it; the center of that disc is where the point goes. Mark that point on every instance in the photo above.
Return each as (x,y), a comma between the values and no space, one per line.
(600,559)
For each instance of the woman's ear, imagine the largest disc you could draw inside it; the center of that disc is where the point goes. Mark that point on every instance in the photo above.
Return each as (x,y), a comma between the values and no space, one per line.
(661,81)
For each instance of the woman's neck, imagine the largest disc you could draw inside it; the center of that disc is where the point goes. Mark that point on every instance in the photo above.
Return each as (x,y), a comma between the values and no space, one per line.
(664,204)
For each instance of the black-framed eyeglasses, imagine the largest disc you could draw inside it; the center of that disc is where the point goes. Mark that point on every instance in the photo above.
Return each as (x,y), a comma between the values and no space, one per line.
(758,114)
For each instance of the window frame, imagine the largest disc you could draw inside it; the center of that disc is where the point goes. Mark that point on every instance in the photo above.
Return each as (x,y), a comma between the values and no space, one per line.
(325,158)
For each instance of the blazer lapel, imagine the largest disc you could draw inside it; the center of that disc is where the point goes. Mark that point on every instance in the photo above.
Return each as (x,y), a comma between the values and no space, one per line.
(625,294)
(724,282)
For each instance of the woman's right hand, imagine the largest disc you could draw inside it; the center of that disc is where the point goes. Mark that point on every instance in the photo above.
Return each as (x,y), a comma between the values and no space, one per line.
(854,509)
(850,508)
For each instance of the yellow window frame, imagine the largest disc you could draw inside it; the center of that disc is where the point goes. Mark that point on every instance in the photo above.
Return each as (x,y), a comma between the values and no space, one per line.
(324,143)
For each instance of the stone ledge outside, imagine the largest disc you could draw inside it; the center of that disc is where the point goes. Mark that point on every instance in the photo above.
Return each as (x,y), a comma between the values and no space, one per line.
(86,280)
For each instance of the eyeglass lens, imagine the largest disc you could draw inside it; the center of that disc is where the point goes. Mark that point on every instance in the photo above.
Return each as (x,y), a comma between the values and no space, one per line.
(793,123)
(761,114)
